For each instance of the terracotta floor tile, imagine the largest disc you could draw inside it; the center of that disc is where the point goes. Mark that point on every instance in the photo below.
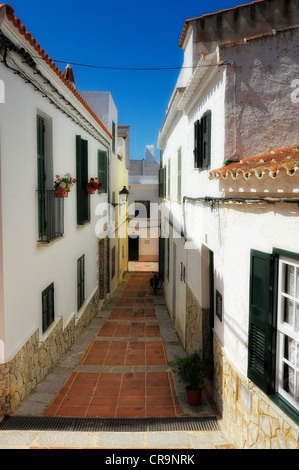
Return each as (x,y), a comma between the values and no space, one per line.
(100,412)
(71,411)
(130,412)
(123,394)
(160,412)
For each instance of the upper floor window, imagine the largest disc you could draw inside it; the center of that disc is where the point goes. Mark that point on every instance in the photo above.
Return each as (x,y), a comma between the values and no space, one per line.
(50,209)
(114,136)
(179,175)
(83,208)
(202,141)
(103,170)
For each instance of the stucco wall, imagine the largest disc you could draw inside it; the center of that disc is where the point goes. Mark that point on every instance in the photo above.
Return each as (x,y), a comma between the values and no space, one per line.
(260,113)
(29,268)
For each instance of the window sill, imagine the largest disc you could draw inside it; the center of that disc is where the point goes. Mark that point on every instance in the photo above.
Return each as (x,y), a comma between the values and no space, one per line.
(88,222)
(51,242)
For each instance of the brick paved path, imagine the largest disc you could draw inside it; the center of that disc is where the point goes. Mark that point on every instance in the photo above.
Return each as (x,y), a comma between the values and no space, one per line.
(124,371)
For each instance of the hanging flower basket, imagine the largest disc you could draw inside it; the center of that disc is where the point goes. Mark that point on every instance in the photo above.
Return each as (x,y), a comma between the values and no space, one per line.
(63,184)
(90,190)
(93,185)
(61,192)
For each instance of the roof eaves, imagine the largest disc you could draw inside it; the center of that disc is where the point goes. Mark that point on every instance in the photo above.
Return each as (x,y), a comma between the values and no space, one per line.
(269,164)
(41,52)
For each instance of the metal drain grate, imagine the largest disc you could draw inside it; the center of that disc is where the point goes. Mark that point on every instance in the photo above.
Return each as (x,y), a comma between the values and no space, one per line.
(45,423)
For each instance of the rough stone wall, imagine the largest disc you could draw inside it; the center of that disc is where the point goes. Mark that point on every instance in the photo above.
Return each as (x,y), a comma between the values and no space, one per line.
(198,327)
(35,360)
(250,417)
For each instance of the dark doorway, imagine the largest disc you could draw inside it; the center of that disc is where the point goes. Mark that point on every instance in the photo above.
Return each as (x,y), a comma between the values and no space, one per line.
(133,249)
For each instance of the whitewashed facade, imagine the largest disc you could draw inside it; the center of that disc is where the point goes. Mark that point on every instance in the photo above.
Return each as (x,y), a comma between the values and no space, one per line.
(61,260)
(240,93)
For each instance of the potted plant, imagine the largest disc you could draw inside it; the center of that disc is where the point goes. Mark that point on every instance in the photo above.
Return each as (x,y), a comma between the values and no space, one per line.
(191,371)
(63,184)
(93,185)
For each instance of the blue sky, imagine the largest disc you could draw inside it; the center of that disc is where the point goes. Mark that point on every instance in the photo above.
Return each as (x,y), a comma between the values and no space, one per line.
(119,34)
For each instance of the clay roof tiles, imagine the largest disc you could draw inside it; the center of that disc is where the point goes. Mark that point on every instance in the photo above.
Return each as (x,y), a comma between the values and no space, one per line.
(41,52)
(270,164)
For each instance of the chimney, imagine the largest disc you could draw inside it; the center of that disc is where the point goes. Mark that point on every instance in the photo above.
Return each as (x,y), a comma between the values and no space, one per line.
(69,75)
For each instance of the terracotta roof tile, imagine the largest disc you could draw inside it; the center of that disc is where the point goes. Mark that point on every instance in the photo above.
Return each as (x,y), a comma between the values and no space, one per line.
(270,164)
(41,52)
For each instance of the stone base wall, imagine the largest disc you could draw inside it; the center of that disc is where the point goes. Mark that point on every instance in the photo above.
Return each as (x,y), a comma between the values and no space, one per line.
(35,360)
(198,329)
(249,416)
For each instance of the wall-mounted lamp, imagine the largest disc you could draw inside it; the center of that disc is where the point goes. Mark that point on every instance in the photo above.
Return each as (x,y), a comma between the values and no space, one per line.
(123,196)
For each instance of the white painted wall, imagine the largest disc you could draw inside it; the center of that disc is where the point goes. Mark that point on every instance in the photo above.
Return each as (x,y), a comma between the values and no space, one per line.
(266,119)
(28,268)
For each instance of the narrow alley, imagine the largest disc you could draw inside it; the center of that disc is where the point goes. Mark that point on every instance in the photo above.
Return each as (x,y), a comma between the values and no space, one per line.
(118,368)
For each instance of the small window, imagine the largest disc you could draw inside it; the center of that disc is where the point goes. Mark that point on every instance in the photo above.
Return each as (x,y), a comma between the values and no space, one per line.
(83,208)
(102,170)
(48,307)
(113,135)
(113,263)
(219,305)
(179,175)
(202,141)
(162,182)
(80,281)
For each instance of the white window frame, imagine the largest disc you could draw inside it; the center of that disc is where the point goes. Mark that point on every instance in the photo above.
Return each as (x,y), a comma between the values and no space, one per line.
(288,330)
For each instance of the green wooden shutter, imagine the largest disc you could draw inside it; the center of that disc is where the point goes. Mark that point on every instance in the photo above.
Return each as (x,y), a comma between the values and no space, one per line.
(197,144)
(206,139)
(102,170)
(161,258)
(260,338)
(80,281)
(179,175)
(84,194)
(82,180)
(41,176)
(79,180)
(113,135)
(168,180)
(47,307)
(162,182)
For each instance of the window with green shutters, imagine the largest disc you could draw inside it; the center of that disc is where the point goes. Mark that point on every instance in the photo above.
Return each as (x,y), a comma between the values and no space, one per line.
(102,170)
(273,339)
(162,182)
(80,281)
(179,175)
(41,176)
(202,141)
(260,347)
(113,135)
(83,208)
(113,262)
(48,307)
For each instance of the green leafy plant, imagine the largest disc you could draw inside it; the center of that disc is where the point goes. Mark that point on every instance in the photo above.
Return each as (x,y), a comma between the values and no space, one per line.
(190,370)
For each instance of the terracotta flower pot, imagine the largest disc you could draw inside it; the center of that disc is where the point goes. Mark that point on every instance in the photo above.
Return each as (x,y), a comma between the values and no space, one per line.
(194,396)
(90,190)
(61,192)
